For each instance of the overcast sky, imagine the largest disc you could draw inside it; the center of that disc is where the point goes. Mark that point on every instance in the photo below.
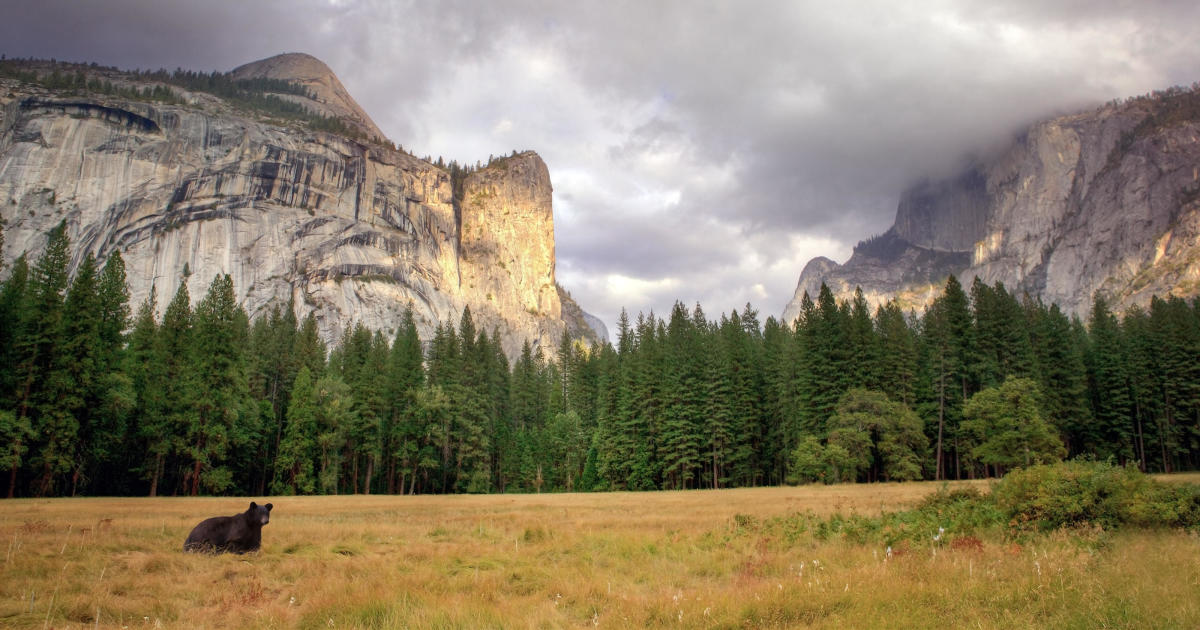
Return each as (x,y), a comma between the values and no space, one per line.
(699,151)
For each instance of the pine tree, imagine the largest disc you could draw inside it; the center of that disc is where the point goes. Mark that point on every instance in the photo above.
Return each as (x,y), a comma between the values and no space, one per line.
(601,454)
(376,408)
(1110,433)
(780,415)
(1175,328)
(272,368)
(74,376)
(471,439)
(748,377)
(682,398)
(803,376)
(643,383)
(16,429)
(335,408)
(405,376)
(309,350)
(294,467)
(181,376)
(443,372)
(14,306)
(984,363)
(145,365)
(1061,376)
(1145,383)
(113,398)
(114,308)
(523,420)
(1001,336)
(39,352)
(432,419)
(897,354)
(718,423)
(948,343)
(221,417)
(617,451)
(1015,356)
(497,385)
(826,360)
(863,345)
(565,372)
(362,361)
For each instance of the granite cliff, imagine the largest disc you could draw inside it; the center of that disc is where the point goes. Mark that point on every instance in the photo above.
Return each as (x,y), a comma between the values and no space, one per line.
(348,227)
(1102,201)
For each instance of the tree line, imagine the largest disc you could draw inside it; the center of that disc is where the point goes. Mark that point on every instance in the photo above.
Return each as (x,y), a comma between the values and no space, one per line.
(98,399)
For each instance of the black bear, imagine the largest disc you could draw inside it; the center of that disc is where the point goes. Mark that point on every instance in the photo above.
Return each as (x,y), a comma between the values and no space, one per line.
(239,533)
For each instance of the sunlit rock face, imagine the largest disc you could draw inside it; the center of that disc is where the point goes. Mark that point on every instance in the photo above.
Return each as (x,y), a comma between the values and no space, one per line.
(1107,201)
(351,231)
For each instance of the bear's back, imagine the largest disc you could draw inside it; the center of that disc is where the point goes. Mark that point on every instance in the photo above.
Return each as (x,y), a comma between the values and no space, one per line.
(239,533)
(210,535)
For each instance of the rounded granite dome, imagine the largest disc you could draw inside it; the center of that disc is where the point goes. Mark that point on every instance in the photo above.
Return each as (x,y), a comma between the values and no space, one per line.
(331,97)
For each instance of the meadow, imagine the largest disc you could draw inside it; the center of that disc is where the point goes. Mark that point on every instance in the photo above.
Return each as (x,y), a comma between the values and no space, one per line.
(695,559)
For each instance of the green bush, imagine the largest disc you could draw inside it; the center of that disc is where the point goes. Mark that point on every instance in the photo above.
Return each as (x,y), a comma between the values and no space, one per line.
(961,511)
(1077,495)
(941,517)
(1073,493)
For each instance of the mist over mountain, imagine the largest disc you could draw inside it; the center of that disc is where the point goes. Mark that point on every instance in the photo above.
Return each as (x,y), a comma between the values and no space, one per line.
(1104,201)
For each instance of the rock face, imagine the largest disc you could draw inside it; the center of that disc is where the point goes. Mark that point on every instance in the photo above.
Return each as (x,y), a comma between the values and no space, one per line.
(581,324)
(351,231)
(1107,200)
(506,251)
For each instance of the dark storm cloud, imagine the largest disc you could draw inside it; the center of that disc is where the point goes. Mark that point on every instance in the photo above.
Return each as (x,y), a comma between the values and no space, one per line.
(700,151)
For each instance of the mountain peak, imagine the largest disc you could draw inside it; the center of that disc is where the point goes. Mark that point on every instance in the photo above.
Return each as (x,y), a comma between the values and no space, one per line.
(330,96)
(1106,201)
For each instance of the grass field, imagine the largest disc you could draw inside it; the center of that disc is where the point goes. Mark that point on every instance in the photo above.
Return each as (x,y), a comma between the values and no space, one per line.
(703,559)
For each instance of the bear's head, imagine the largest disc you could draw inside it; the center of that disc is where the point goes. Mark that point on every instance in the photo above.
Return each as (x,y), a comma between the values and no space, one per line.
(259,514)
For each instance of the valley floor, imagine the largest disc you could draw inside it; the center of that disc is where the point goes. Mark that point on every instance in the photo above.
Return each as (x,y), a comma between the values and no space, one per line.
(703,559)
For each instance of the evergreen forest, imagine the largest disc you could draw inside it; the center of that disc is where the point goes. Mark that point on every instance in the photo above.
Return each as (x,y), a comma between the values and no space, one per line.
(101,397)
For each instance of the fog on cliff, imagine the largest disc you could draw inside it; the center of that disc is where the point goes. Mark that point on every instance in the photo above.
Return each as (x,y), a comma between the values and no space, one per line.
(699,151)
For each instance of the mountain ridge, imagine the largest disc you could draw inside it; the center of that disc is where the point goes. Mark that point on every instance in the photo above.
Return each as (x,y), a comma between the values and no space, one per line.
(1104,201)
(182,179)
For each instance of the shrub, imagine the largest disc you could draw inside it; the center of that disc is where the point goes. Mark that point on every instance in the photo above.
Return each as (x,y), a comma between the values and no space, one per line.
(958,512)
(1073,493)
(1087,497)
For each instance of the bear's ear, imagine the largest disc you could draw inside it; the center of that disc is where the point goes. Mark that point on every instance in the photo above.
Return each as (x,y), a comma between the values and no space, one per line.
(269,506)
(253,505)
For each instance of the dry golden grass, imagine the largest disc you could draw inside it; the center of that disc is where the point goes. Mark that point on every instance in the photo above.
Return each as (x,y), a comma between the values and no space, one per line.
(671,559)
